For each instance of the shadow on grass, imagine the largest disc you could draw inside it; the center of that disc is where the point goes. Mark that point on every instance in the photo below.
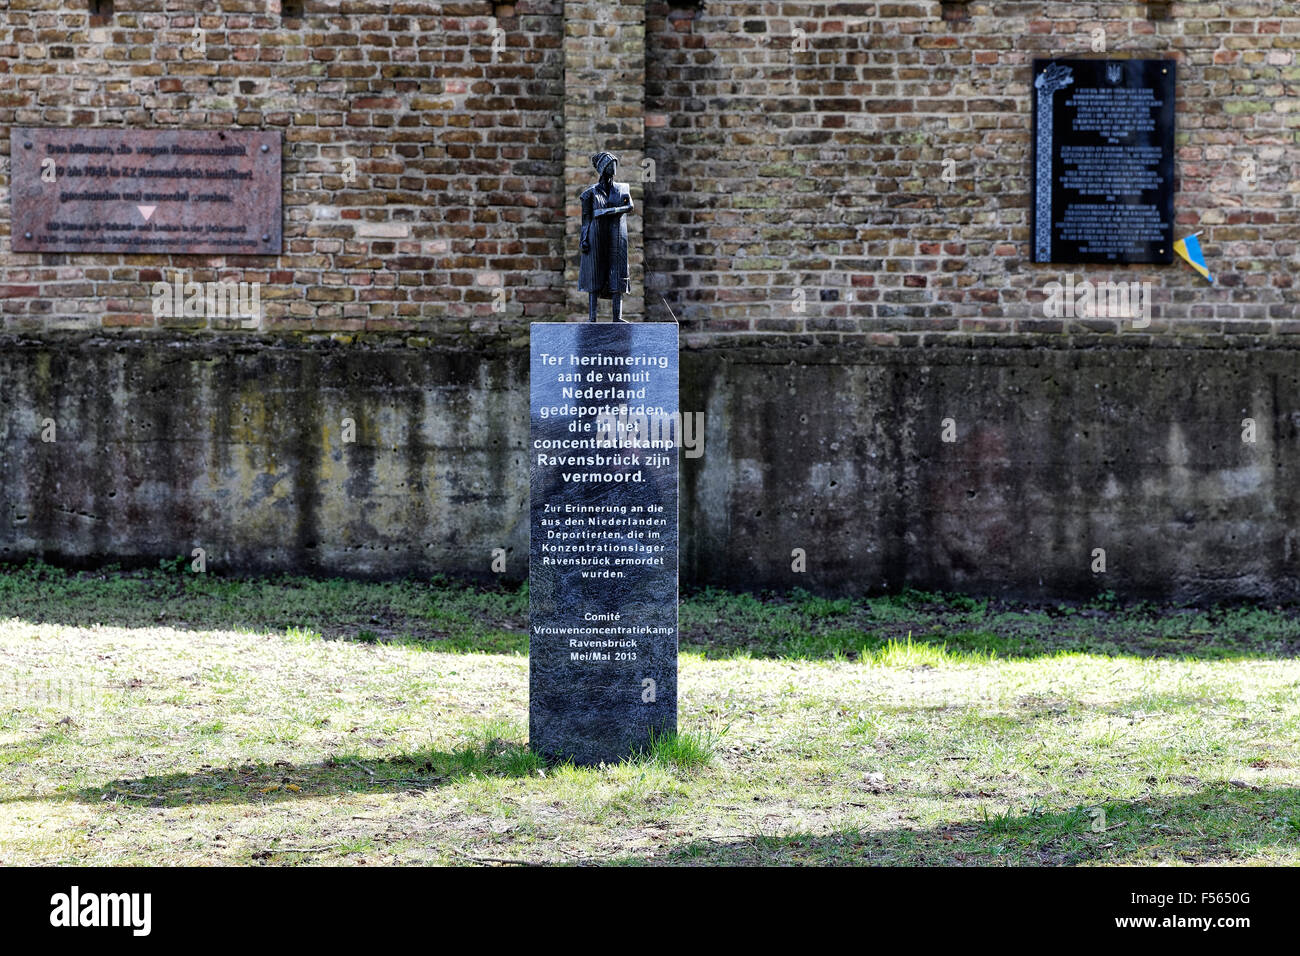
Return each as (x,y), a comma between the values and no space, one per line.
(917,629)
(1220,824)
(264,783)
(434,614)
(490,755)
(907,629)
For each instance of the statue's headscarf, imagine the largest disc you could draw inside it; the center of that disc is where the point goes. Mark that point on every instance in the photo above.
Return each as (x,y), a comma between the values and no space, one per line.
(601,160)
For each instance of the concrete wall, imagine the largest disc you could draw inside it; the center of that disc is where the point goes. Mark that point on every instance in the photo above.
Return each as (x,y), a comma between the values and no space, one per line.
(166,446)
(162,447)
(1060,449)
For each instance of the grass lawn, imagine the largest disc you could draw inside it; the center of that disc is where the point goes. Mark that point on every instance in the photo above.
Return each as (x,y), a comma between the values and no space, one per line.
(171,718)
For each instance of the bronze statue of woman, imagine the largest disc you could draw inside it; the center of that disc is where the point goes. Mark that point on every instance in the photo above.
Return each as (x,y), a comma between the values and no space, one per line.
(602,273)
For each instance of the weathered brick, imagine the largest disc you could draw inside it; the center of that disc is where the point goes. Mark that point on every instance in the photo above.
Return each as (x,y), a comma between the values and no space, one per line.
(778,170)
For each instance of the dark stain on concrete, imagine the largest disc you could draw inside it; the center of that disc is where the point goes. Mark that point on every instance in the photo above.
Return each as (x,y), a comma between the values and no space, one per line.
(1128,445)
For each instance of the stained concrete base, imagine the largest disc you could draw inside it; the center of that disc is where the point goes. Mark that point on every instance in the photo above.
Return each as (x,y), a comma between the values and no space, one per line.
(166,444)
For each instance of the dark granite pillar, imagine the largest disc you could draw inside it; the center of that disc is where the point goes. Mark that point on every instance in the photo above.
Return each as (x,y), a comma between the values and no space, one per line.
(603,539)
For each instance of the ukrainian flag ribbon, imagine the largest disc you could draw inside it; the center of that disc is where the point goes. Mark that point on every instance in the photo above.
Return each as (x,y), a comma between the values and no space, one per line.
(1190,249)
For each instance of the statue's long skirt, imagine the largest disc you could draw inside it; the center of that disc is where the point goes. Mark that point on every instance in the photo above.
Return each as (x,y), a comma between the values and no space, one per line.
(604,268)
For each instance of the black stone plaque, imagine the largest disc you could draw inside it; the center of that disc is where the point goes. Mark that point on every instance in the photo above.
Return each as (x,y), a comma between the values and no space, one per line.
(602,566)
(145,191)
(1103,161)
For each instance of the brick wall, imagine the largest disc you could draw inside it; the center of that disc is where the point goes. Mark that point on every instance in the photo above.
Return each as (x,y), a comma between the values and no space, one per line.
(459,153)
(604,109)
(821,169)
(779,171)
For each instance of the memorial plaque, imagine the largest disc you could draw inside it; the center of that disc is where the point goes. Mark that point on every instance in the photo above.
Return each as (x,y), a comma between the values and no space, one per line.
(1103,161)
(145,191)
(603,538)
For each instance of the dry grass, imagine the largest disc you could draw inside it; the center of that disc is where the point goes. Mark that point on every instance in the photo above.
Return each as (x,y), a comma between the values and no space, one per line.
(144,743)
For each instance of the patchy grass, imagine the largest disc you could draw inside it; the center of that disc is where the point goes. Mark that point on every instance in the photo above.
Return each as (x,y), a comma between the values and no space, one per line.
(170,718)
(685,750)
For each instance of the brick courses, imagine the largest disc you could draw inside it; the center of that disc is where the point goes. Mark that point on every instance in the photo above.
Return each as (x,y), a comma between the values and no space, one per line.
(821,169)
(783,170)
(459,154)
